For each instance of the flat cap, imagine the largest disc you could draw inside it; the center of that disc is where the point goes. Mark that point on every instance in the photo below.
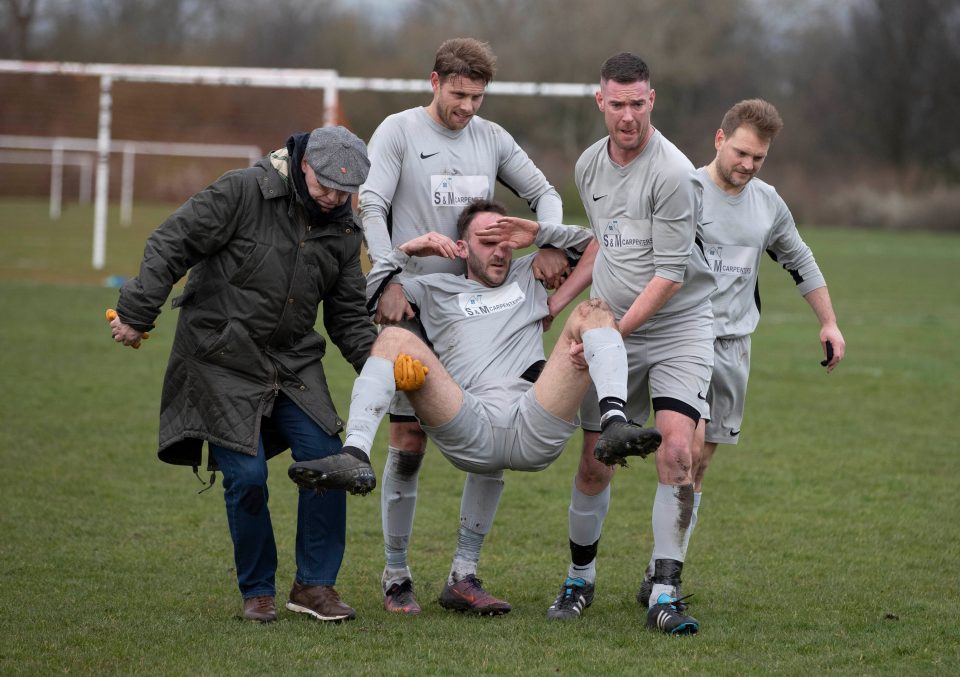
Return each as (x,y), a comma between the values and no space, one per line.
(338,158)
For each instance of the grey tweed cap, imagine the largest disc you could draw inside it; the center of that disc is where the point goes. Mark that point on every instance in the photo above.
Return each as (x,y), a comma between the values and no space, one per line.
(338,158)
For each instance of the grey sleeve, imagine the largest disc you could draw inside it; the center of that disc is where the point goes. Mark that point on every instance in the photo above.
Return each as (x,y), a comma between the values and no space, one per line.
(517,172)
(549,207)
(562,236)
(674,215)
(786,247)
(385,270)
(376,194)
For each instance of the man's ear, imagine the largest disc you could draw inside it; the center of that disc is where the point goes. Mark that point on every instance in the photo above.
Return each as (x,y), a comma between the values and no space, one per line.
(462,249)
(719,139)
(434,81)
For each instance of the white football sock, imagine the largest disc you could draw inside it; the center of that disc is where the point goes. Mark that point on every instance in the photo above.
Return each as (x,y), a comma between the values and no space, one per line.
(372,392)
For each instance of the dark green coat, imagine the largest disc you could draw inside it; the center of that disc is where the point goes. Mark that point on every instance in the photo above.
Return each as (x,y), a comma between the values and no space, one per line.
(258,273)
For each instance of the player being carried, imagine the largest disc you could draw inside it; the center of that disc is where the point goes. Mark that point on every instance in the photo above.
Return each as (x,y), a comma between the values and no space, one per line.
(491,401)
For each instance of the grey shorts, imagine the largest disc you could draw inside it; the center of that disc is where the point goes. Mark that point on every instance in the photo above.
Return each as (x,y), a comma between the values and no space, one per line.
(670,360)
(501,426)
(728,389)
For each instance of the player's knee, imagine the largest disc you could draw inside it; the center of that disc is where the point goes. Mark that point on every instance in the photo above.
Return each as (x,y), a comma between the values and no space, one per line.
(676,460)
(592,475)
(407,436)
(593,313)
(393,340)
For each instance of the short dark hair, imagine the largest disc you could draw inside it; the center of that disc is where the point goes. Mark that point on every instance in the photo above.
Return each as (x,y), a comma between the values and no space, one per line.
(465,57)
(756,113)
(474,207)
(624,68)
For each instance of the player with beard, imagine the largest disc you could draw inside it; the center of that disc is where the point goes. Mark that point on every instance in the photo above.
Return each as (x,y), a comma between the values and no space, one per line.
(742,218)
(642,198)
(485,401)
(428,162)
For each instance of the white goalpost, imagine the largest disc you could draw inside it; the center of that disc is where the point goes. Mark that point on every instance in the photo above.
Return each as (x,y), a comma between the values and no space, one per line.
(327,80)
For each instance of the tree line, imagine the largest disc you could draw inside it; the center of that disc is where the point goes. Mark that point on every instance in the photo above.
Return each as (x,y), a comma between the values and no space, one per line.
(868,88)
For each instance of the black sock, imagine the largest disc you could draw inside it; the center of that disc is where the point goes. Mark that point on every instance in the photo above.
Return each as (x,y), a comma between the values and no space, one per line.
(611,409)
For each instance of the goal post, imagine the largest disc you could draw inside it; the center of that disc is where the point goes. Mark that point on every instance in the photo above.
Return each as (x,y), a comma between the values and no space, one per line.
(328,81)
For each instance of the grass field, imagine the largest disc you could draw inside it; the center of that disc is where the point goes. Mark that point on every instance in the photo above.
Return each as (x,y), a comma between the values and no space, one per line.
(826,540)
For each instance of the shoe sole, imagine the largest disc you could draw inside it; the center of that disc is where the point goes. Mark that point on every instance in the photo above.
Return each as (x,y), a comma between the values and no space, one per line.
(296,608)
(643,446)
(411,610)
(261,621)
(403,611)
(467,609)
(321,481)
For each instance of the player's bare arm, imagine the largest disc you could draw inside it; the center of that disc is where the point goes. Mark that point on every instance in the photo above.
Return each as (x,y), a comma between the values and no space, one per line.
(657,292)
(430,244)
(393,307)
(578,280)
(819,300)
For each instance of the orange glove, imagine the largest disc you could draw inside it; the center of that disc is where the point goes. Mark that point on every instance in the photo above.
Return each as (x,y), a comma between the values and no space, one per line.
(112,315)
(409,373)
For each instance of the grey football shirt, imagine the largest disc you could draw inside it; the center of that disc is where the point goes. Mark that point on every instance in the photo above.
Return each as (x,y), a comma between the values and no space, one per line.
(737,229)
(423,174)
(482,333)
(644,216)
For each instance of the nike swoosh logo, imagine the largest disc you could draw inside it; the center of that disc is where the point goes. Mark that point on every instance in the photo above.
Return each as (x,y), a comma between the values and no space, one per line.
(700,395)
(424,157)
(734,433)
(598,197)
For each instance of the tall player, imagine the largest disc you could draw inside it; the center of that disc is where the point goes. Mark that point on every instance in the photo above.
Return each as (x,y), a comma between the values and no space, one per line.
(427,164)
(642,197)
(742,218)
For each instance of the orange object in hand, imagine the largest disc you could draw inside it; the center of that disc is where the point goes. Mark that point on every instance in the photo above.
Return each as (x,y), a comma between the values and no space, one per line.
(409,373)
(112,315)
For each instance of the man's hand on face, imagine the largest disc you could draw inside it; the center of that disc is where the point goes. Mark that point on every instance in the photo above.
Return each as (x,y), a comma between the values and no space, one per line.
(517,233)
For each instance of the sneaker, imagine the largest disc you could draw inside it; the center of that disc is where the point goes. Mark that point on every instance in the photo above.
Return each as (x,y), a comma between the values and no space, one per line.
(646,589)
(399,598)
(575,596)
(667,616)
(468,594)
(349,471)
(320,601)
(261,609)
(620,439)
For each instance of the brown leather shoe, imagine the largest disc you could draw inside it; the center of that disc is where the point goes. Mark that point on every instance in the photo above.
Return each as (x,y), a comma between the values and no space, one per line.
(261,609)
(320,601)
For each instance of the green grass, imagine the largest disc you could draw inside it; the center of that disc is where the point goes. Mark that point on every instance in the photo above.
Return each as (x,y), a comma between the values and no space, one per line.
(826,542)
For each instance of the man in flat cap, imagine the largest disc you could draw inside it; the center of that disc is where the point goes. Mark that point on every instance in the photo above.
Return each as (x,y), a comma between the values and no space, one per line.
(264,246)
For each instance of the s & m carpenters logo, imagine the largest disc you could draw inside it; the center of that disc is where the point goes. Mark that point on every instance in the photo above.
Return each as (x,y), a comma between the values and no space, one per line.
(494,301)
(627,234)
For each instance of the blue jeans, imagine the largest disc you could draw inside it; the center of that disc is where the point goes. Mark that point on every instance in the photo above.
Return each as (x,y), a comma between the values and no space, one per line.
(321,520)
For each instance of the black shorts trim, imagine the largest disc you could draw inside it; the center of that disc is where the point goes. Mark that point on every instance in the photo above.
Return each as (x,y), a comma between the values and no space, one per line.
(403,418)
(672,404)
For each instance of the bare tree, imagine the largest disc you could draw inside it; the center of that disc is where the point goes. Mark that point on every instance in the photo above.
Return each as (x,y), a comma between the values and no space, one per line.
(904,57)
(21,15)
